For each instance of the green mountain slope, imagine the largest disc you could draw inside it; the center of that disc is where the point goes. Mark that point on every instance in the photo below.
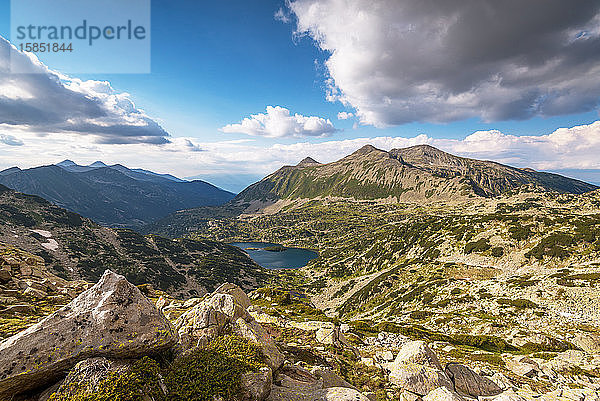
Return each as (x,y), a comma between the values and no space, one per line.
(416,173)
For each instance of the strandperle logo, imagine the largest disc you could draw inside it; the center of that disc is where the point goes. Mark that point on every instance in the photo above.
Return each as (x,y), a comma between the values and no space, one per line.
(82,36)
(85,31)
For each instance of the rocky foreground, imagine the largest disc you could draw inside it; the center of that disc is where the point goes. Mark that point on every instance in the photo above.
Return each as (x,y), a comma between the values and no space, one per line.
(112,343)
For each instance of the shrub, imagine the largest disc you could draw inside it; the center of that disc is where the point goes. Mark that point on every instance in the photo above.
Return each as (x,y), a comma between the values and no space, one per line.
(480,245)
(497,251)
(213,371)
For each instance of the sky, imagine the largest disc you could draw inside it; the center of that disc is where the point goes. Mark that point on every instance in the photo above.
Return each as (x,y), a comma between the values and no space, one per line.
(237,89)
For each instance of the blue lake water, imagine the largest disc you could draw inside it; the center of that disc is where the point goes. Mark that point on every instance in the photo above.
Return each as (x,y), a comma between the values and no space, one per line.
(291,258)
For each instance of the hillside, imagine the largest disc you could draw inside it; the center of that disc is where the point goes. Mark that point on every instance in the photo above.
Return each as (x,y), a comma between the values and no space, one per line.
(415,173)
(113,195)
(418,174)
(74,247)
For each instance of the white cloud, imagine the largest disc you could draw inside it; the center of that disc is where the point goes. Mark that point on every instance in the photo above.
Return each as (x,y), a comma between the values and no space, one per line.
(343,115)
(574,149)
(278,123)
(413,60)
(46,101)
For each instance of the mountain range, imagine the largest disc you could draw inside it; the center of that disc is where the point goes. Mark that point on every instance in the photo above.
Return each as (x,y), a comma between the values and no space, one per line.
(415,173)
(113,195)
(419,174)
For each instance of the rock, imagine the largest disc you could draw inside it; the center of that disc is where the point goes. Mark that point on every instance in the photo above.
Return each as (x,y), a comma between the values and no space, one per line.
(387,356)
(589,342)
(253,331)
(35,293)
(508,395)
(469,383)
(236,292)
(294,383)
(522,366)
(8,300)
(112,318)
(418,370)
(256,386)
(330,378)
(419,353)
(89,375)
(207,320)
(325,336)
(219,313)
(442,394)
(408,396)
(5,275)
(418,379)
(47,393)
(339,394)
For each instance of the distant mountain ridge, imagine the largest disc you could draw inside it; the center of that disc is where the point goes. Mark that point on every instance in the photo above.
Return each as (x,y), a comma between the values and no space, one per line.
(74,247)
(415,173)
(113,195)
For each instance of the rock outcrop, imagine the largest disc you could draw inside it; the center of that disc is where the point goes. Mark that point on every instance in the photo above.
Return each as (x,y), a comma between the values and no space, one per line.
(418,370)
(221,312)
(469,383)
(111,319)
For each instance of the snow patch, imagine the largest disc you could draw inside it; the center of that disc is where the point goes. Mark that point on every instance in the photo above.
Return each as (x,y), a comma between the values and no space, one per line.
(51,245)
(43,233)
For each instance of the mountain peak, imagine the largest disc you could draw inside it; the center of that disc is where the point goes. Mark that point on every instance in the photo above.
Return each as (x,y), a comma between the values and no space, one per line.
(307,161)
(98,163)
(366,150)
(66,163)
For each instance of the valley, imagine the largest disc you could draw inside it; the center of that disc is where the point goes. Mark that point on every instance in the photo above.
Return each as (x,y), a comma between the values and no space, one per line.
(505,283)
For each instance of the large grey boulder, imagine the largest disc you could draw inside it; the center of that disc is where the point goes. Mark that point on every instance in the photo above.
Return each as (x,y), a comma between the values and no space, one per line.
(209,319)
(469,383)
(221,313)
(111,319)
(442,394)
(418,369)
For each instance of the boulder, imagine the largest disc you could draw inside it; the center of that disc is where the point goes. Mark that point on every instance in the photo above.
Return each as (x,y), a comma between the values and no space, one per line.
(236,292)
(508,395)
(589,342)
(207,320)
(417,369)
(111,319)
(418,379)
(522,366)
(469,383)
(442,394)
(330,378)
(256,386)
(253,331)
(339,394)
(419,353)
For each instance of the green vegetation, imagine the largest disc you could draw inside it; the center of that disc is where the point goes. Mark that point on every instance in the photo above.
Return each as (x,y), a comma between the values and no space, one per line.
(138,383)
(198,375)
(205,373)
(517,303)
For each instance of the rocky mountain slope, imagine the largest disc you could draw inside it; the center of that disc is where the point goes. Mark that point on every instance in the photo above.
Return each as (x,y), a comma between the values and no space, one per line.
(416,173)
(111,342)
(113,195)
(74,247)
(419,174)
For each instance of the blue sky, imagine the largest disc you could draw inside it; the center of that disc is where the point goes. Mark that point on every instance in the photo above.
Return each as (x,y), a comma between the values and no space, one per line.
(216,63)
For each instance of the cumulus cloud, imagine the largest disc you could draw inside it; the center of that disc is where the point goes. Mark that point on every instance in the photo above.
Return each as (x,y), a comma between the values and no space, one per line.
(343,115)
(236,163)
(277,122)
(428,60)
(47,101)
